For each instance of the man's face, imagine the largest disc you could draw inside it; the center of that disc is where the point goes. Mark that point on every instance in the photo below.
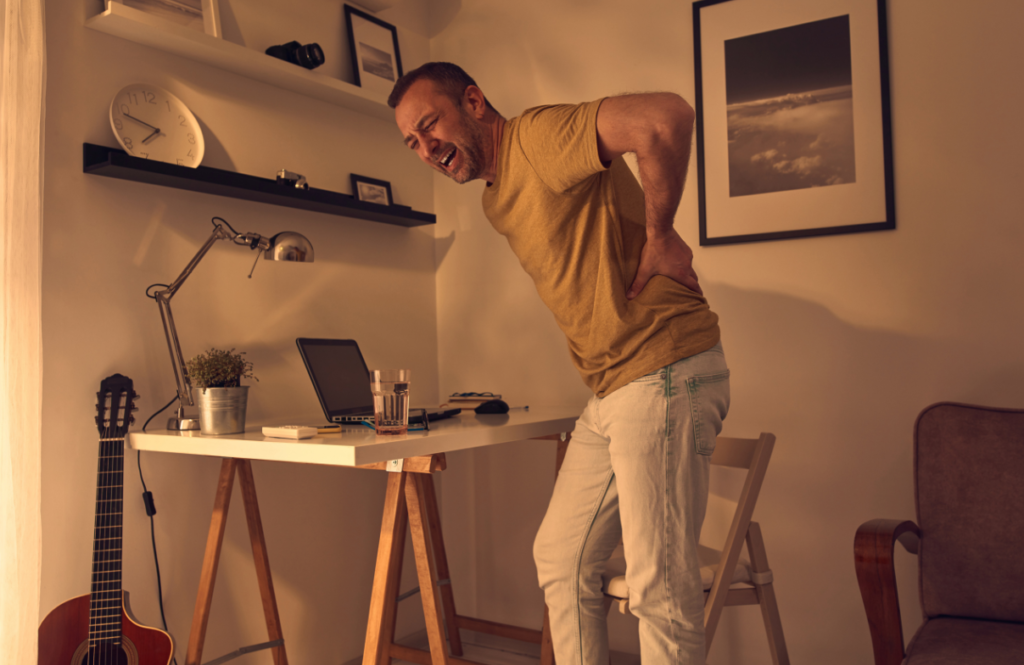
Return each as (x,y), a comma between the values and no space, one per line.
(444,135)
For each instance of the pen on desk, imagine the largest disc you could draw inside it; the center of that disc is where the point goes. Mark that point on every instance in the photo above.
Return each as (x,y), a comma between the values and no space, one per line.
(513,408)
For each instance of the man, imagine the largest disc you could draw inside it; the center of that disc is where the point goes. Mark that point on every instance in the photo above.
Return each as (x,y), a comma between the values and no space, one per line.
(607,261)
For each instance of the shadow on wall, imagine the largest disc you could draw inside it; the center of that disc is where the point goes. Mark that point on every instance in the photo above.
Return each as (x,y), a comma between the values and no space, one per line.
(442,12)
(842,401)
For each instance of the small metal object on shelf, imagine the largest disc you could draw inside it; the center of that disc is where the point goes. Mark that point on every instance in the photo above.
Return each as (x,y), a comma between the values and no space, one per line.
(286,177)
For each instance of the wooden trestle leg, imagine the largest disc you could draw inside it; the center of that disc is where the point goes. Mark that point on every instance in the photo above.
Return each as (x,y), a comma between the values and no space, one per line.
(411,499)
(380,630)
(211,559)
(419,529)
(441,563)
(261,559)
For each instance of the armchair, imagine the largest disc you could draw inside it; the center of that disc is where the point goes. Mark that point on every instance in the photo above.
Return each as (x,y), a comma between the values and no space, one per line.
(969,538)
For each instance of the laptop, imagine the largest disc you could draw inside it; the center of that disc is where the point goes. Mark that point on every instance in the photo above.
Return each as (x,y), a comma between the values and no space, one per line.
(342,382)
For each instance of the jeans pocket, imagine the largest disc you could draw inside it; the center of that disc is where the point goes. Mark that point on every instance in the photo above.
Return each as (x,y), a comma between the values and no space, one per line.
(709,403)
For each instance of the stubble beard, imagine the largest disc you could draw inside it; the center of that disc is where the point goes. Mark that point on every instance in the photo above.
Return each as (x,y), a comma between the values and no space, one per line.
(470,145)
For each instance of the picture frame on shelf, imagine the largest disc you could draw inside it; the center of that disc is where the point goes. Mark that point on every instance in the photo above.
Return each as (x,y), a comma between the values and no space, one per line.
(376,58)
(201,15)
(794,137)
(371,190)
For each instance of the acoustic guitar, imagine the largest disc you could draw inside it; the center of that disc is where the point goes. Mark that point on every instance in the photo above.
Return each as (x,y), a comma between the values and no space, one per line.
(98,628)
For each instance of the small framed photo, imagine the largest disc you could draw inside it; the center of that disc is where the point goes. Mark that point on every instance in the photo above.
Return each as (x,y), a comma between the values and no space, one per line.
(376,60)
(371,190)
(201,15)
(793,129)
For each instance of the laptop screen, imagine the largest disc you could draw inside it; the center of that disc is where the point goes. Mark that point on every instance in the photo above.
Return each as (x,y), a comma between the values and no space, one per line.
(339,375)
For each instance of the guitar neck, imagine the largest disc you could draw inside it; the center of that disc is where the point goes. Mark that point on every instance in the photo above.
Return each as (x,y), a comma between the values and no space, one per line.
(105,605)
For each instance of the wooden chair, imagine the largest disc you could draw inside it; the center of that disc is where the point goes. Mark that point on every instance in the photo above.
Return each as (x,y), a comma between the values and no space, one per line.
(969,535)
(728,578)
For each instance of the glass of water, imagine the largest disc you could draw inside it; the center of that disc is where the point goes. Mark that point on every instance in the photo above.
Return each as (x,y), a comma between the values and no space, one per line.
(390,400)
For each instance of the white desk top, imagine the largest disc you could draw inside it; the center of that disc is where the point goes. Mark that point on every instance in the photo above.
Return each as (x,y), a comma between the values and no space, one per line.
(357,444)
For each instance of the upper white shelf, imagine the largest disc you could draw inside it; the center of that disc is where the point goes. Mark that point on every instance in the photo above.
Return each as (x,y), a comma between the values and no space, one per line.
(138,26)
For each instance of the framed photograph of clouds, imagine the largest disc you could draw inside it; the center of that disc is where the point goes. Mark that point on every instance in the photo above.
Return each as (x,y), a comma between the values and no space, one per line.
(376,60)
(793,128)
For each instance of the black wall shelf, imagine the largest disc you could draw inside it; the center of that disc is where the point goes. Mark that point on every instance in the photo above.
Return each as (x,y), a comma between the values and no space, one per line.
(113,163)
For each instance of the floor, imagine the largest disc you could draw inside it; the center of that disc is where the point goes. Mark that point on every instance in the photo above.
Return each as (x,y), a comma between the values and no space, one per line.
(490,650)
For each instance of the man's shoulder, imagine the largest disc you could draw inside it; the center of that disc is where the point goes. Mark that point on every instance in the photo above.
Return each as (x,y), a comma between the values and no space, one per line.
(557,113)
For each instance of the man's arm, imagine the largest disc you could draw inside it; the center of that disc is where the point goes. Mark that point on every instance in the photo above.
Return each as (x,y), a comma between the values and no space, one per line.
(658,127)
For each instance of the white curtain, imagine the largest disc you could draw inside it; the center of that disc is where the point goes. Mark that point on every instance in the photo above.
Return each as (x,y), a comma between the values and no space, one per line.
(22,87)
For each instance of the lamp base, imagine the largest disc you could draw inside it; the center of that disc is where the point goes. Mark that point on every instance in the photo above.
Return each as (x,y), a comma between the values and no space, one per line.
(182,424)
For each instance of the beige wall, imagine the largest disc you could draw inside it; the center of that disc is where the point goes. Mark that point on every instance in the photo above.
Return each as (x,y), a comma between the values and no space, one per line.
(835,343)
(106,240)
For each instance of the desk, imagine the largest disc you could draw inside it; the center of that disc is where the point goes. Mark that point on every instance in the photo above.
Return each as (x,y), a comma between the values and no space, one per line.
(410,500)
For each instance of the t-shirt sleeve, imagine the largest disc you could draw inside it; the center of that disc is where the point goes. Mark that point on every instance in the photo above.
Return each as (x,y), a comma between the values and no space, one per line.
(560,143)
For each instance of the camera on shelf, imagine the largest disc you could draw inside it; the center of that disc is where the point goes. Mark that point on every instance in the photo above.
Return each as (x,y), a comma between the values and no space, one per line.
(309,56)
(296,180)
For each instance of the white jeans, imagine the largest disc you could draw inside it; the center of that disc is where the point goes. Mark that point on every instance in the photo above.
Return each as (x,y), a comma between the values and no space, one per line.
(636,470)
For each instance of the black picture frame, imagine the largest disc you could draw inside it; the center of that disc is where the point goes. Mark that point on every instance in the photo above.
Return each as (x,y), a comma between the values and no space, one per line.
(371,190)
(373,45)
(762,171)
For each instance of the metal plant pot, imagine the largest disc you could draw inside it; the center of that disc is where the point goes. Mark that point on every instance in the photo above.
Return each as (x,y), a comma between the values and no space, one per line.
(222,410)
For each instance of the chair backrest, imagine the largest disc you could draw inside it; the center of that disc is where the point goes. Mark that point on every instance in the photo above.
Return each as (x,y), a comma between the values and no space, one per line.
(752,455)
(969,486)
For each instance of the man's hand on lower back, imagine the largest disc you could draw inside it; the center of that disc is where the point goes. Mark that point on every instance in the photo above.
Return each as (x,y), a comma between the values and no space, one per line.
(665,254)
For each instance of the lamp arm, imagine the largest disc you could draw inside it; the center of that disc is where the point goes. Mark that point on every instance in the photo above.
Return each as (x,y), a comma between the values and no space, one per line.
(163,300)
(219,233)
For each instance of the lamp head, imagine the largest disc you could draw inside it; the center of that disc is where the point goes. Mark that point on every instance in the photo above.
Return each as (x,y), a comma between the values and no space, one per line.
(289,246)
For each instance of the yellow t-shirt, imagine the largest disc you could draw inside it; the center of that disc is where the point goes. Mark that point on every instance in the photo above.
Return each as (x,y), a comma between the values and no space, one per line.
(577,228)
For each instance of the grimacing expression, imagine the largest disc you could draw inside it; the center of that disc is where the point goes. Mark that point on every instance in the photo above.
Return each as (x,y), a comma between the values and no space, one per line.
(443,134)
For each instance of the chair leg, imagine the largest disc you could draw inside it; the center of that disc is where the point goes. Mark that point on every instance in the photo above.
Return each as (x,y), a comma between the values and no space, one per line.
(766,596)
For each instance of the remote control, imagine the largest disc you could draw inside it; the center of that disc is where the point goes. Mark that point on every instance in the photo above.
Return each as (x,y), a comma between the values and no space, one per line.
(290,432)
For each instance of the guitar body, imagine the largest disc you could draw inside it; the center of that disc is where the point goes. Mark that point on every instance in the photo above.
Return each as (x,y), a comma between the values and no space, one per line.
(64,638)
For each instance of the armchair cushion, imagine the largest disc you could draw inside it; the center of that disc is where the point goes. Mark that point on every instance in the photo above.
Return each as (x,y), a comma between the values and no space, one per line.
(969,463)
(949,641)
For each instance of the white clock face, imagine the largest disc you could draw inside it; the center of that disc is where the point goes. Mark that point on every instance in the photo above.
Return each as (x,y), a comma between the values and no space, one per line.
(151,123)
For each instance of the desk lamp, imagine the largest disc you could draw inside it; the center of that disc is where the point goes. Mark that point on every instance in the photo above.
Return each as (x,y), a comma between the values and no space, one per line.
(285,246)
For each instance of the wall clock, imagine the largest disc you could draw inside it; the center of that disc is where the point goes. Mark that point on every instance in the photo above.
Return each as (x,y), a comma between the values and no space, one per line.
(151,123)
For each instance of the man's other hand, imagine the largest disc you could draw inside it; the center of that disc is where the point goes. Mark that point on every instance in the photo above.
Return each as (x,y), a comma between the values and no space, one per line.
(665,254)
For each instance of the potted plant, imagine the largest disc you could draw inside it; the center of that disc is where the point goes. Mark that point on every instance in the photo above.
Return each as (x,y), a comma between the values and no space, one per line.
(222,399)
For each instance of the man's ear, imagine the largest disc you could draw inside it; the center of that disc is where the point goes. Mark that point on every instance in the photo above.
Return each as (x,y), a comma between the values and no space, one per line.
(474,103)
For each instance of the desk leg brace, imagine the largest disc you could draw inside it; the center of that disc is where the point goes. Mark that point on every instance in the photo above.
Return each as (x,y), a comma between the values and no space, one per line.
(211,559)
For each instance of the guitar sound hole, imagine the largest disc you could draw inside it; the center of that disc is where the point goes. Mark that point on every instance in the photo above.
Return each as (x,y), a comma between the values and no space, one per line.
(107,654)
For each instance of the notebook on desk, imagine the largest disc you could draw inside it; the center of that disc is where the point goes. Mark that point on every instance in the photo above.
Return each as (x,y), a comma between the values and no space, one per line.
(342,382)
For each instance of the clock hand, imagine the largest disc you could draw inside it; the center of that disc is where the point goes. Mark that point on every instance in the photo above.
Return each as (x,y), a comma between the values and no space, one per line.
(140,121)
(152,136)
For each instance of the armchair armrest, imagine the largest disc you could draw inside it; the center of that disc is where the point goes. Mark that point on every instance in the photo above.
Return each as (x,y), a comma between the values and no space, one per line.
(873,548)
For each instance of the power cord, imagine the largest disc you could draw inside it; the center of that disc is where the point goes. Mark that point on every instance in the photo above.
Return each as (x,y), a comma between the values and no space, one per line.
(147,498)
